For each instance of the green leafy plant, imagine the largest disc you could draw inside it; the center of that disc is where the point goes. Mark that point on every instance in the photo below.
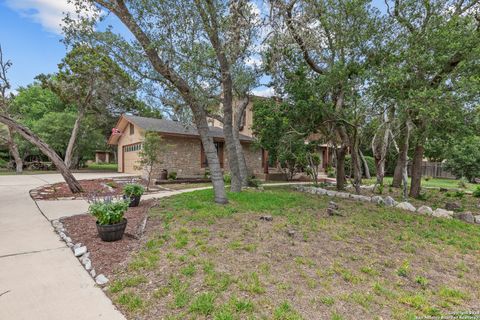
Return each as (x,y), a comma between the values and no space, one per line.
(253,182)
(172,175)
(133,190)
(206,175)
(330,172)
(476,192)
(108,212)
(227,178)
(459,194)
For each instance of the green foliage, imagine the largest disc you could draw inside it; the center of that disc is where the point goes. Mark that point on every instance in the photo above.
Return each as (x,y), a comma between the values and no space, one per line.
(151,153)
(254,182)
(133,190)
(108,212)
(370,163)
(476,192)
(172,175)
(227,178)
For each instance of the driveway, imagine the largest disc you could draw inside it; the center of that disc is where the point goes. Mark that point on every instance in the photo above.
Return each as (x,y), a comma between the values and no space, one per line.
(39,276)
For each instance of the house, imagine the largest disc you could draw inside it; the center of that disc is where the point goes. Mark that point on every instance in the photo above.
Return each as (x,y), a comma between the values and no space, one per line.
(184,154)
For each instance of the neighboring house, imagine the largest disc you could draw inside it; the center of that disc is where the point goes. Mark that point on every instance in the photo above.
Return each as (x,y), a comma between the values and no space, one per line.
(184,152)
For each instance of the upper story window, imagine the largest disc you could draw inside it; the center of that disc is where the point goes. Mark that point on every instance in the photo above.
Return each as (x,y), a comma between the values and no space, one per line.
(132,129)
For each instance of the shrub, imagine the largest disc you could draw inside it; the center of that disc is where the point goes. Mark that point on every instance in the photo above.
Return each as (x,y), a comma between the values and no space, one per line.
(464,159)
(370,163)
(459,194)
(227,178)
(133,190)
(172,175)
(108,212)
(206,175)
(476,192)
(253,182)
(330,172)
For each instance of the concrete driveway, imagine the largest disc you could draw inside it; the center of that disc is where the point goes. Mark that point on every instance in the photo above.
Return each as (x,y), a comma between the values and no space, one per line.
(39,276)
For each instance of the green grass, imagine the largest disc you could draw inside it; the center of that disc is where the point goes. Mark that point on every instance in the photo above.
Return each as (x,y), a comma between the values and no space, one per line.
(26,172)
(210,261)
(431,183)
(103,166)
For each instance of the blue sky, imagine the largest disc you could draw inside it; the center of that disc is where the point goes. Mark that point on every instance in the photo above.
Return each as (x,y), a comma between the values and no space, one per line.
(30,36)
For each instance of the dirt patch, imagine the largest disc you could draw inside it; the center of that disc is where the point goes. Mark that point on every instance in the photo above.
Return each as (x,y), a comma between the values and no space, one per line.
(106,256)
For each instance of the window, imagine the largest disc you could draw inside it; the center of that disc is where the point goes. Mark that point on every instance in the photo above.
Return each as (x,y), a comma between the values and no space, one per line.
(133,147)
(132,129)
(203,157)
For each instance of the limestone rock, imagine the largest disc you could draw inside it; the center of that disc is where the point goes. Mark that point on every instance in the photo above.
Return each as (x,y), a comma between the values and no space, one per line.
(101,279)
(358,197)
(442,213)
(331,193)
(425,210)
(477,219)
(80,251)
(266,218)
(390,202)
(343,195)
(378,200)
(406,206)
(465,216)
(452,206)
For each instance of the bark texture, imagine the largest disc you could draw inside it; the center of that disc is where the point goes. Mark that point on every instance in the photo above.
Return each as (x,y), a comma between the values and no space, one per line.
(13,148)
(73,138)
(416,174)
(72,183)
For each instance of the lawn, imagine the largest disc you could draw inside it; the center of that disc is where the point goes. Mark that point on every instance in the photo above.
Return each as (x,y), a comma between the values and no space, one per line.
(430,183)
(103,166)
(25,172)
(204,261)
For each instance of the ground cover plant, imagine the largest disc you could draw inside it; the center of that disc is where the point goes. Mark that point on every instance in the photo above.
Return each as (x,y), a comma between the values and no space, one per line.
(199,260)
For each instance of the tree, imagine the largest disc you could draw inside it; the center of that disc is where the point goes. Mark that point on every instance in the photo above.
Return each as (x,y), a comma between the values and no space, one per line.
(92,82)
(433,52)
(464,158)
(5,106)
(150,154)
(334,39)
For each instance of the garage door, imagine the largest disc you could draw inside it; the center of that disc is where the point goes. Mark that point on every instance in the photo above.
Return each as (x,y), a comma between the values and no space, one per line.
(131,158)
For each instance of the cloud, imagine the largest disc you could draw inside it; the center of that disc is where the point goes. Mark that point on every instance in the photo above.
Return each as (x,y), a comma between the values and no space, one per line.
(264,92)
(48,13)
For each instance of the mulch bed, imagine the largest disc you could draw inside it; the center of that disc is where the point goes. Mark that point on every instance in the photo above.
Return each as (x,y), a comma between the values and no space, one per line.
(93,187)
(106,256)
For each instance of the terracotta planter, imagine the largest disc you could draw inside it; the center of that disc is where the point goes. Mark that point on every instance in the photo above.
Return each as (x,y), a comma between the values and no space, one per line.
(134,200)
(112,232)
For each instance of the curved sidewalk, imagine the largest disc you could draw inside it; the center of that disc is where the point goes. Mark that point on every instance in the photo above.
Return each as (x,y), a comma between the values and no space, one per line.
(39,276)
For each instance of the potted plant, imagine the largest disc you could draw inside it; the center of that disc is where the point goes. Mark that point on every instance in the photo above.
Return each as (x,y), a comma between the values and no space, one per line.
(133,192)
(110,221)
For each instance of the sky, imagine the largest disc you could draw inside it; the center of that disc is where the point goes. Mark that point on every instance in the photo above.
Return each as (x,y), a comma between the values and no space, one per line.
(30,37)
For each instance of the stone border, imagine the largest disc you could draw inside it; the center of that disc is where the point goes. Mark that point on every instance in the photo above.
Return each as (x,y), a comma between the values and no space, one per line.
(390,202)
(80,251)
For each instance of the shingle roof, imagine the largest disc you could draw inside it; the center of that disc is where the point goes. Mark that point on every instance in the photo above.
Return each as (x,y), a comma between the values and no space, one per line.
(175,127)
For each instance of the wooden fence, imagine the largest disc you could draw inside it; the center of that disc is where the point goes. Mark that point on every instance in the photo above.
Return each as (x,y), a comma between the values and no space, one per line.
(434,169)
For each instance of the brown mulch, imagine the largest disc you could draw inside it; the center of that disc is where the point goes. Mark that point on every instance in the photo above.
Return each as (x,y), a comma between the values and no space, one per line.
(92,187)
(106,256)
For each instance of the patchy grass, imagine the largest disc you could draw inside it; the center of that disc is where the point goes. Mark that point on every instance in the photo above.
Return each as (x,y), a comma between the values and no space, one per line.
(206,261)
(103,166)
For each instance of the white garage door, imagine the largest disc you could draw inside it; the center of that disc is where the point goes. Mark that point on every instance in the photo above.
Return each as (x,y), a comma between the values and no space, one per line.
(131,158)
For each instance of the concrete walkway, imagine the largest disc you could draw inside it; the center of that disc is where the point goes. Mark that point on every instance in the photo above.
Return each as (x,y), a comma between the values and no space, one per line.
(39,276)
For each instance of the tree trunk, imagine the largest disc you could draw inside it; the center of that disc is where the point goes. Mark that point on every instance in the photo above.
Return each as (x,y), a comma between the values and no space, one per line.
(72,183)
(12,146)
(365,165)
(340,178)
(402,158)
(356,163)
(416,175)
(238,120)
(73,138)
(230,142)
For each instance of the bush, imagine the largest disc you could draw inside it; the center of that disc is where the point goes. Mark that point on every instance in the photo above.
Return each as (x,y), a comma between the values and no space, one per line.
(330,172)
(370,163)
(108,212)
(464,159)
(476,192)
(227,178)
(133,190)
(253,182)
(172,175)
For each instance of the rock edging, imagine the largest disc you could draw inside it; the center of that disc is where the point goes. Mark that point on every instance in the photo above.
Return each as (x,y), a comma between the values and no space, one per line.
(390,202)
(81,252)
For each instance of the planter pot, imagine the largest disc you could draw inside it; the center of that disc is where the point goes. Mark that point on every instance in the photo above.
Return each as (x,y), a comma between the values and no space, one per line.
(134,200)
(112,232)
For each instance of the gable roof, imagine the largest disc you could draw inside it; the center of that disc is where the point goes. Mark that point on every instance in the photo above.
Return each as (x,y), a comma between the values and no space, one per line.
(172,127)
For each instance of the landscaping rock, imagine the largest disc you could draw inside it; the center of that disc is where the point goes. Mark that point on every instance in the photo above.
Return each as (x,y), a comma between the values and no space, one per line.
(331,193)
(87,263)
(343,195)
(378,200)
(93,273)
(101,279)
(425,210)
(358,197)
(452,206)
(67,239)
(321,191)
(443,190)
(442,213)
(266,218)
(406,206)
(80,251)
(333,205)
(77,245)
(477,219)
(291,233)
(390,202)
(465,216)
